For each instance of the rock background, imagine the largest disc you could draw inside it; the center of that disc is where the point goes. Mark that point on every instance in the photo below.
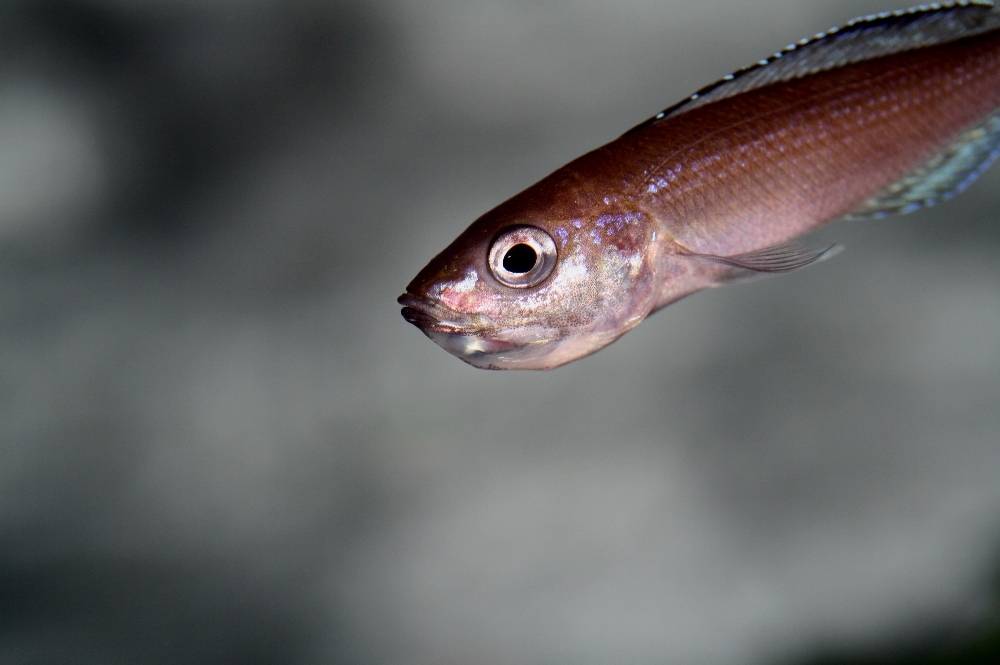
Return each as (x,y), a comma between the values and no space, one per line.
(220,443)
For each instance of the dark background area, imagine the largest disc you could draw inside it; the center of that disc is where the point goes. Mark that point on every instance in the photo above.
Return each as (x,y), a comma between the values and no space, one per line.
(220,443)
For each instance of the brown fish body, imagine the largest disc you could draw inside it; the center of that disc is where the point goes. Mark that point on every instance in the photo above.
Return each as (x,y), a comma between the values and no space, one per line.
(765,167)
(686,201)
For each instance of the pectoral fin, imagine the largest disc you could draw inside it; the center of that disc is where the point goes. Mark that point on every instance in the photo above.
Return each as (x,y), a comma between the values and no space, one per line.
(775,260)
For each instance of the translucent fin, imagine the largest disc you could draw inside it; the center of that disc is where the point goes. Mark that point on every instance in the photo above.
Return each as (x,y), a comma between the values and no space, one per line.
(862,39)
(775,260)
(941,177)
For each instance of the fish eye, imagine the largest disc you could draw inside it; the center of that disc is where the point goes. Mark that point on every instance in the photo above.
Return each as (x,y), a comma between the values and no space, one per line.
(522,256)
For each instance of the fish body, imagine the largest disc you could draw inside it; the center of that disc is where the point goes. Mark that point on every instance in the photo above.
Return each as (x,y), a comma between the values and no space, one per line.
(885,115)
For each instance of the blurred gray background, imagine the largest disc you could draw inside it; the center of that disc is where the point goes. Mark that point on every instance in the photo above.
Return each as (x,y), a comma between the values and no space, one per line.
(220,443)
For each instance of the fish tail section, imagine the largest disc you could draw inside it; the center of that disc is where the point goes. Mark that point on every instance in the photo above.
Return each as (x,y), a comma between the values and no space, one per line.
(941,177)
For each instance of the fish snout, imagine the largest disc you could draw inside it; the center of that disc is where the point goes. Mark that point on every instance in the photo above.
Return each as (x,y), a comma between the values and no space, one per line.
(465,341)
(426,315)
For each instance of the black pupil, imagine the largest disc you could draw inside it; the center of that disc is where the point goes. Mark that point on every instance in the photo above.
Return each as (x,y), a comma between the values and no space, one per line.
(519,259)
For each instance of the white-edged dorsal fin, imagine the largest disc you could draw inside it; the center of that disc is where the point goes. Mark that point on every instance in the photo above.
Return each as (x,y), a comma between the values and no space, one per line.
(862,39)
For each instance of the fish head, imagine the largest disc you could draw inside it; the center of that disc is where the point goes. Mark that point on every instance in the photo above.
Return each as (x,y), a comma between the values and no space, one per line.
(535,291)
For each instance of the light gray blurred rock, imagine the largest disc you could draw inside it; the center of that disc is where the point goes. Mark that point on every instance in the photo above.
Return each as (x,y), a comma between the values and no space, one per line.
(751,474)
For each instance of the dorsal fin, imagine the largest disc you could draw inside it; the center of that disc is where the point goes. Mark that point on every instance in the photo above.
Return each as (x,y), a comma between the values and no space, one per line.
(862,39)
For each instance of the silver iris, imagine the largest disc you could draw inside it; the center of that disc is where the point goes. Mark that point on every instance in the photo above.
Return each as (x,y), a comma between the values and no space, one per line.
(522,256)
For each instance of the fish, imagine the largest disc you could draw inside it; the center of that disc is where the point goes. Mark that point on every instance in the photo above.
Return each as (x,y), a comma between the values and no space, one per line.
(888,114)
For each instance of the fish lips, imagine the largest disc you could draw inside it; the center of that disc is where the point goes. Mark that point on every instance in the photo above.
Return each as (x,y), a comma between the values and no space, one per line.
(421,319)
(427,315)
(439,325)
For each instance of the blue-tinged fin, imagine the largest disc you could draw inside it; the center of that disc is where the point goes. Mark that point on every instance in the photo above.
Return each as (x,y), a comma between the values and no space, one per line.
(775,260)
(862,39)
(941,177)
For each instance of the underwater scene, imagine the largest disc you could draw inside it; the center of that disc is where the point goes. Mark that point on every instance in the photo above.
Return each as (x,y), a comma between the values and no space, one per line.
(221,443)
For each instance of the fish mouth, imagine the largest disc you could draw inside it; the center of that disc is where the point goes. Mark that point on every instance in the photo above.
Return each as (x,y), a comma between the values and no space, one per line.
(487,346)
(428,315)
(478,341)
(472,345)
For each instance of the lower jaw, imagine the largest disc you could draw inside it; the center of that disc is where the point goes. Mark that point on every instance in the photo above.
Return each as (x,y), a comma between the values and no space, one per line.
(478,351)
(489,353)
